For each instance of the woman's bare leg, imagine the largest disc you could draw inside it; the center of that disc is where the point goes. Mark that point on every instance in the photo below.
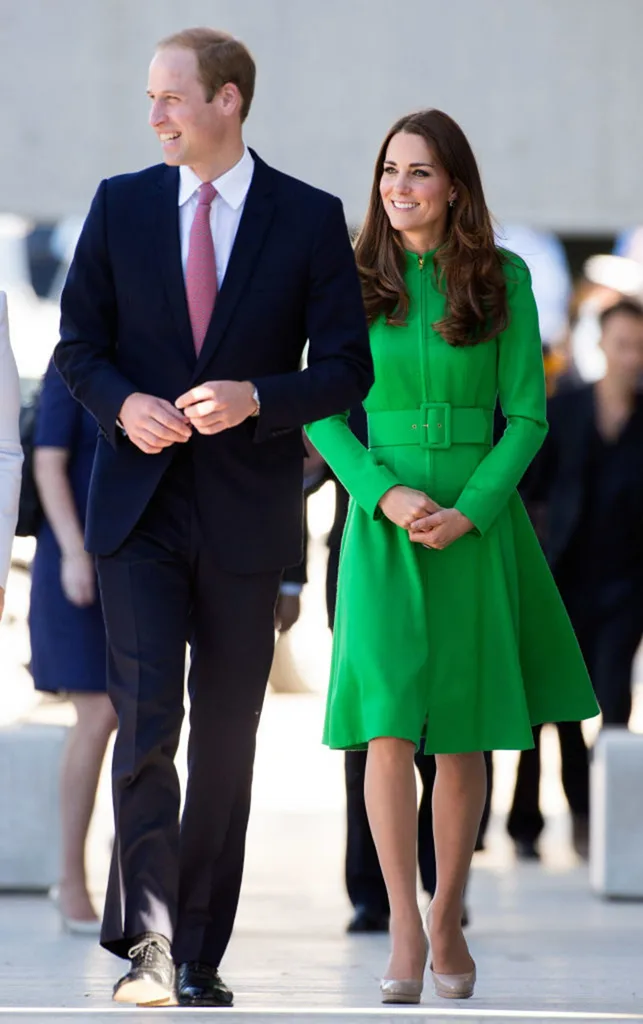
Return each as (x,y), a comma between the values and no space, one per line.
(391,803)
(458,802)
(82,761)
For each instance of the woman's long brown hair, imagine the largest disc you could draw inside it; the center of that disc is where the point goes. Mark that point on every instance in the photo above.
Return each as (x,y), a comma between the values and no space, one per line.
(468,265)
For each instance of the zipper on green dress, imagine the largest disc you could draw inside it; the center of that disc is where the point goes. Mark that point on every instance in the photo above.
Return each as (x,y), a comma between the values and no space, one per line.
(423,354)
(423,366)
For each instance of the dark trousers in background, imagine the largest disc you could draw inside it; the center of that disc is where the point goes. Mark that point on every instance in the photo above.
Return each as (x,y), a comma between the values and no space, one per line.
(608,623)
(364,880)
(525,821)
(161,589)
(609,640)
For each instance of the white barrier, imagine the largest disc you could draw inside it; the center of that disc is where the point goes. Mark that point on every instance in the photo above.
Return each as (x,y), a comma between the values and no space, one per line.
(616,815)
(30,756)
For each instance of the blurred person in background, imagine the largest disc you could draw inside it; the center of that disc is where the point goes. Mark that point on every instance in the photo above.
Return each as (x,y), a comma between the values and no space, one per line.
(444,593)
(585,490)
(545,256)
(606,278)
(10,450)
(588,479)
(68,645)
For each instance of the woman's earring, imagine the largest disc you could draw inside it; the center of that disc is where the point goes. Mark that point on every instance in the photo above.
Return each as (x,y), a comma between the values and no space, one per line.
(451,203)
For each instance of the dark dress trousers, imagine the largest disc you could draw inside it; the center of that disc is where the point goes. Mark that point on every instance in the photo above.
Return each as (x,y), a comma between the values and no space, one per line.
(191,543)
(590,495)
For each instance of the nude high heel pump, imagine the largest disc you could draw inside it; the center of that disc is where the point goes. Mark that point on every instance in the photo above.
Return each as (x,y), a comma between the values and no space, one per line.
(72,924)
(408,991)
(454,986)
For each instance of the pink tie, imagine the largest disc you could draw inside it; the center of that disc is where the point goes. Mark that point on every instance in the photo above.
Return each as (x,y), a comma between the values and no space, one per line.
(201,272)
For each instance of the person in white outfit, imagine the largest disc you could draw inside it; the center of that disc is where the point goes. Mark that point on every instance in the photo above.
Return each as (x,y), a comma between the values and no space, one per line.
(10,450)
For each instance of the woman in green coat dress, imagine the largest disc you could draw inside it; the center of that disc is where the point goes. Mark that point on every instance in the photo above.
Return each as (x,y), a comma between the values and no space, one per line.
(449,625)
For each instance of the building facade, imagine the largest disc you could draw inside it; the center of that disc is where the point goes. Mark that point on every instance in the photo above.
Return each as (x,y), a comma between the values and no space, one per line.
(548,92)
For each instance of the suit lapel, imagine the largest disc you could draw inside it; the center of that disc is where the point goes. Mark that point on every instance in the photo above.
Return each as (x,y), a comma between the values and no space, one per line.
(253,227)
(169,254)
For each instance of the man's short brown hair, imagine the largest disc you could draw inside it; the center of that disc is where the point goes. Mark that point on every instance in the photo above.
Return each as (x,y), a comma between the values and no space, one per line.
(221,58)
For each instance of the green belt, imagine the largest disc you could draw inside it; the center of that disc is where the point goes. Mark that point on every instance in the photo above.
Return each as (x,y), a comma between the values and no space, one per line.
(433,425)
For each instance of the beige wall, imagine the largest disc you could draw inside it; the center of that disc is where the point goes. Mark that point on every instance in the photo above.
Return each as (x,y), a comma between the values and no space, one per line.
(549,92)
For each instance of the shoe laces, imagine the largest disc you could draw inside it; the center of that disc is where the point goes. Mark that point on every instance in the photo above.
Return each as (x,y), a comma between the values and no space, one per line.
(144,952)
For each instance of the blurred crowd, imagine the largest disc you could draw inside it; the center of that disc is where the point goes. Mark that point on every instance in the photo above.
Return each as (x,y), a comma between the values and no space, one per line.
(584,493)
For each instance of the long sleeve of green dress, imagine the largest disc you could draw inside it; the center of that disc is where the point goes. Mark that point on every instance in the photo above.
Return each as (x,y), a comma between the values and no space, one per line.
(354,465)
(521,390)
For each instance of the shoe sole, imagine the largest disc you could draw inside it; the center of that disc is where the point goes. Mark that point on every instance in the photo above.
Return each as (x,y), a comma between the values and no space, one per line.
(405,1000)
(143,993)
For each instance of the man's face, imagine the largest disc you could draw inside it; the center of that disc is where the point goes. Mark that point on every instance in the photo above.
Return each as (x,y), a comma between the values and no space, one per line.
(622,343)
(188,128)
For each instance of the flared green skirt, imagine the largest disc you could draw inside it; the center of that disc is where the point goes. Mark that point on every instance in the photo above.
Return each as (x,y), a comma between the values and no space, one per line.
(469,647)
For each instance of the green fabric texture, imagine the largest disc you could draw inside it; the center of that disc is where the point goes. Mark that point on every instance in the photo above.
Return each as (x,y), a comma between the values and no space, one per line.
(472,645)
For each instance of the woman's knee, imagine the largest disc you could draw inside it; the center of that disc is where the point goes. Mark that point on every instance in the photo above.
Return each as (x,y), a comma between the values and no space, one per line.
(461,765)
(391,750)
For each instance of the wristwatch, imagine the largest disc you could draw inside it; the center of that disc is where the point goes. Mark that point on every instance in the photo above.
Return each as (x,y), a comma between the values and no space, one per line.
(255,398)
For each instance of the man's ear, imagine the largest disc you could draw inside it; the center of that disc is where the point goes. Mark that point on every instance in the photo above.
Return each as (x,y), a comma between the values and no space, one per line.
(229,98)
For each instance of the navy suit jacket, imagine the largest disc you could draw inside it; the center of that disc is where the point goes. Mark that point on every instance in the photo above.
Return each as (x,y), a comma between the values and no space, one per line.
(125,328)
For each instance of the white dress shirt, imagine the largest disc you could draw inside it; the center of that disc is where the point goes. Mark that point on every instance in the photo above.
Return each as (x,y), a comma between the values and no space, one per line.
(10,450)
(225,212)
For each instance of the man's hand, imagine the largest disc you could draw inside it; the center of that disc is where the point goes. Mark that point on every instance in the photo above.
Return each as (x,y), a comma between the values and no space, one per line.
(218,405)
(403,505)
(440,529)
(153,424)
(78,578)
(287,612)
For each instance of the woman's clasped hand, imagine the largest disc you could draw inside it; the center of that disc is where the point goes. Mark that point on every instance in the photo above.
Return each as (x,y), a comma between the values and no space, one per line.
(426,521)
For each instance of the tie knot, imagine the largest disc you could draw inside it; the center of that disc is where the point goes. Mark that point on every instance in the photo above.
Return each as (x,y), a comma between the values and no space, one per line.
(206,194)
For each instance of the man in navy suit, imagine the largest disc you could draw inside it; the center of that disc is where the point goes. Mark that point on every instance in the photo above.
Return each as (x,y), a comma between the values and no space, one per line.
(182,332)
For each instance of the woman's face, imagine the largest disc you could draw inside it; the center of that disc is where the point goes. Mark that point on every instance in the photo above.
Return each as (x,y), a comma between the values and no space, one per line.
(415,190)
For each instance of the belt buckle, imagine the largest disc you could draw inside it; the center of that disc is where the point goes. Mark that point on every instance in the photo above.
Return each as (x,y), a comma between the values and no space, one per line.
(436,425)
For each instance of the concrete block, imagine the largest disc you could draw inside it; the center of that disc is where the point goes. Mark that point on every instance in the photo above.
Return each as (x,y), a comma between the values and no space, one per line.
(30,756)
(616,815)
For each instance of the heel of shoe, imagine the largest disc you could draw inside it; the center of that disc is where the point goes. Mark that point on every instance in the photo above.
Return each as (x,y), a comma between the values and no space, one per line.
(454,986)
(72,925)
(393,991)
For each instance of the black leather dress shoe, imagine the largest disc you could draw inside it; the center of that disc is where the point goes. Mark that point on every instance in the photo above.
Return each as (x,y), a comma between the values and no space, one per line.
(201,985)
(150,979)
(365,919)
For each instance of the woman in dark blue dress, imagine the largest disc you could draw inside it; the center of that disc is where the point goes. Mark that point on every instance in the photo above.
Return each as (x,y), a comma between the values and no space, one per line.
(68,648)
